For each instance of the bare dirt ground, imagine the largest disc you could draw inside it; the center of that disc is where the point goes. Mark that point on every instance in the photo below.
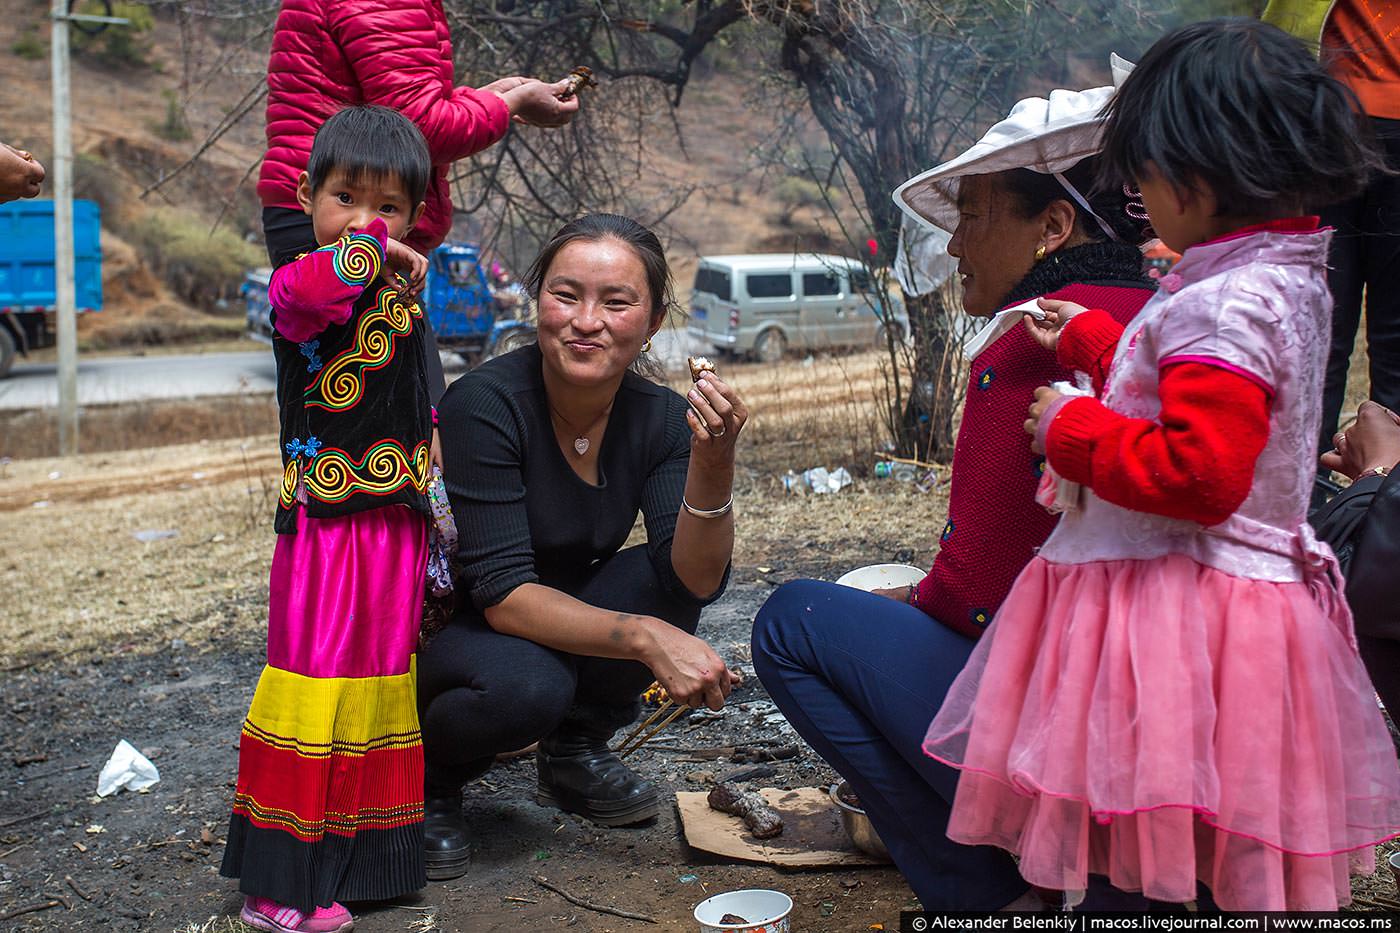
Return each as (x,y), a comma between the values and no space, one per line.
(136,605)
(136,609)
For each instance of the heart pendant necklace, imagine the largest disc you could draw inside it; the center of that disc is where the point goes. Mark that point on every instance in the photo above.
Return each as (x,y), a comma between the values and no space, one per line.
(581,442)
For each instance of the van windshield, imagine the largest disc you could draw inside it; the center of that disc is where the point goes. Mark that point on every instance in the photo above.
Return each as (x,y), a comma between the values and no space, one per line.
(713,281)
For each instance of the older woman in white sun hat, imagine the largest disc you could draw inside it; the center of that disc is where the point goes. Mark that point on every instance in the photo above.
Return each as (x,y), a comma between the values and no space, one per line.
(860,675)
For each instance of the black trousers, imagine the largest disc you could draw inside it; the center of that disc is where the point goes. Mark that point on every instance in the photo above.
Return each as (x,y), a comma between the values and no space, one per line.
(1365,258)
(289,233)
(481,693)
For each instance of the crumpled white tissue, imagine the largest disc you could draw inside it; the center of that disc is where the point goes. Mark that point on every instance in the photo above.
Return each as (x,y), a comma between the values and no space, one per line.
(1056,493)
(126,768)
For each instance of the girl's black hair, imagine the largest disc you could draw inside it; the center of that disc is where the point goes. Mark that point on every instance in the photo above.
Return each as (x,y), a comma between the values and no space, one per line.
(1243,108)
(1116,203)
(643,242)
(371,142)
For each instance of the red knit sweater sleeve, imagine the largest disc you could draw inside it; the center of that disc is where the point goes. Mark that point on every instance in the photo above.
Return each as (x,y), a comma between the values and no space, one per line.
(1195,462)
(1087,342)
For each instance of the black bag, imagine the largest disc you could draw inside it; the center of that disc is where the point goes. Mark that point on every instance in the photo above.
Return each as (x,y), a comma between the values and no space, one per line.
(1362,526)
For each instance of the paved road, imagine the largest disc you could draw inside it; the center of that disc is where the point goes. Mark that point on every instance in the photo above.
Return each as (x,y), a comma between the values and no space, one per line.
(107,380)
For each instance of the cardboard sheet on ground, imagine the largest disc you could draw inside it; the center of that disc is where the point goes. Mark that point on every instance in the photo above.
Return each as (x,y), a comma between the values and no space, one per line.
(812,832)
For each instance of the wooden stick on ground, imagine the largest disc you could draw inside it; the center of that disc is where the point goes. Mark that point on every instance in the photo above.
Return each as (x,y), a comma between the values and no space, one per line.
(24,819)
(41,905)
(77,890)
(918,463)
(587,905)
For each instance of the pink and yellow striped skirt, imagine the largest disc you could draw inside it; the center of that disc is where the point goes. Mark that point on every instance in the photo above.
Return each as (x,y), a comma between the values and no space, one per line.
(329,801)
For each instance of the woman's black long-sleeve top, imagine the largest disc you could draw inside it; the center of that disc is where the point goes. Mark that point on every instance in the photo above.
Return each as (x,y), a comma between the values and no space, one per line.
(523,515)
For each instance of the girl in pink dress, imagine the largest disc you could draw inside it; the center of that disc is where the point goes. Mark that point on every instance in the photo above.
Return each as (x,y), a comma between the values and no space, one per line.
(1171,693)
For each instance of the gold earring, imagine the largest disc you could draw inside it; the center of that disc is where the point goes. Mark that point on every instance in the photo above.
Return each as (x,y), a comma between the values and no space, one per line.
(1040,252)
(646,345)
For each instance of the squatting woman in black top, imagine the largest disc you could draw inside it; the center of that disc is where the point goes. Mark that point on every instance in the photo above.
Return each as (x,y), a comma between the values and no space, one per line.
(549,454)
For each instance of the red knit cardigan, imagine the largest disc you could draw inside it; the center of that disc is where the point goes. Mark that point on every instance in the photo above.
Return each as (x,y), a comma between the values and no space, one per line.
(994,525)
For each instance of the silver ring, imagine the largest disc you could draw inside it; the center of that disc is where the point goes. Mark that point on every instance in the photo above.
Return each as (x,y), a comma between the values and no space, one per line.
(714,434)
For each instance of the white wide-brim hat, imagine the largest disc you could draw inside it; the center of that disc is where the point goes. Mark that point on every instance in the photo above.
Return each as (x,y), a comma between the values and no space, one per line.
(1043,134)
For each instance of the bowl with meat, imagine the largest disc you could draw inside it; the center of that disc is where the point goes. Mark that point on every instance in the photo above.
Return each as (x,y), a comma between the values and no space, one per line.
(755,910)
(856,822)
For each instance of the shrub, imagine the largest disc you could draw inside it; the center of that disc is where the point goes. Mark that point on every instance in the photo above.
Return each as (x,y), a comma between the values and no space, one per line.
(126,46)
(30,46)
(173,128)
(202,268)
(794,193)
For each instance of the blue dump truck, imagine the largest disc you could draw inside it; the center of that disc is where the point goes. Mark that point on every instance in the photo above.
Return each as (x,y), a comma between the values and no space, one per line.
(27,273)
(466,316)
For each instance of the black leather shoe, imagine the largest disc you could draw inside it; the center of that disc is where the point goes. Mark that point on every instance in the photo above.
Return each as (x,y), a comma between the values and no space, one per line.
(578,773)
(445,837)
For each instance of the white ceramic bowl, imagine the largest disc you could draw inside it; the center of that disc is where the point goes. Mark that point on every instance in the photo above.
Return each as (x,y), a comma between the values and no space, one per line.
(764,912)
(881,576)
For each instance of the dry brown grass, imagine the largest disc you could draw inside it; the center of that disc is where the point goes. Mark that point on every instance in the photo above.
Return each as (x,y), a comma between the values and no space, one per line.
(105,428)
(158,324)
(821,411)
(79,581)
(77,578)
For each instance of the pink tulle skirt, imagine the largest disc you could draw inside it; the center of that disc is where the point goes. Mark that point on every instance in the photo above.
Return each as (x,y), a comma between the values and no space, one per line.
(1161,722)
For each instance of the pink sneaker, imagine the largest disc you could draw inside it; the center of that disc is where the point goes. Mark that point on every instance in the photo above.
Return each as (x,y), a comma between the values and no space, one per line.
(269,915)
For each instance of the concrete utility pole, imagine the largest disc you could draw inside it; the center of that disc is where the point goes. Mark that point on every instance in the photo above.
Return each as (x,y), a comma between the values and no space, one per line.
(65,310)
(65,300)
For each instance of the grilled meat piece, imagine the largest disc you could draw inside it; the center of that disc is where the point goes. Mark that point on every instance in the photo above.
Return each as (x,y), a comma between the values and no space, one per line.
(762,820)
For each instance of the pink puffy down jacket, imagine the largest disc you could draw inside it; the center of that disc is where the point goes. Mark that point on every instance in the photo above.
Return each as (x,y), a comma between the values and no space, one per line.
(330,54)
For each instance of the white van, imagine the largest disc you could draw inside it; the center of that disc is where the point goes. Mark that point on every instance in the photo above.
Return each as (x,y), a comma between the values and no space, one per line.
(764,303)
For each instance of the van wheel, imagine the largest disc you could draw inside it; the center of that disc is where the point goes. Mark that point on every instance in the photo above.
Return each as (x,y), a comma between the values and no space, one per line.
(770,346)
(894,330)
(7,351)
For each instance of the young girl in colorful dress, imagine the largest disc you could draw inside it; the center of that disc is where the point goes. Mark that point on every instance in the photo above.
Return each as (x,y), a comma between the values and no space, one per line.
(1171,693)
(329,802)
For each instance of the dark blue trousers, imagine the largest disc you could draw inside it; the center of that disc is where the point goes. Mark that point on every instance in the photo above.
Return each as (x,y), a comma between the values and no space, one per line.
(860,677)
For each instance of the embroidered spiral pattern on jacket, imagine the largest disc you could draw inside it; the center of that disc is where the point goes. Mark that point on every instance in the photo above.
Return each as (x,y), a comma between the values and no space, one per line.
(357,258)
(341,382)
(334,476)
(289,484)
